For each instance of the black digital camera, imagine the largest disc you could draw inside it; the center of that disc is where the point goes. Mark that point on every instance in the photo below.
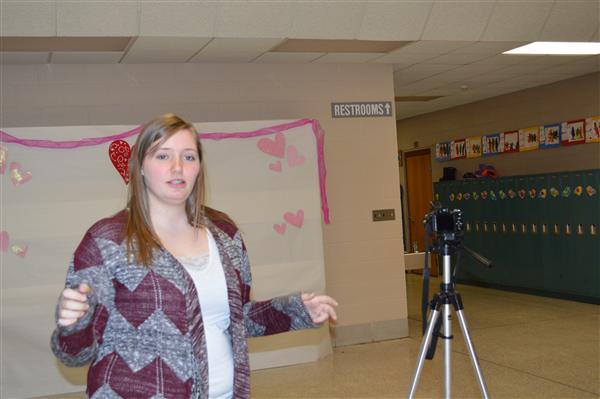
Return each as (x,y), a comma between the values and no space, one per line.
(444,225)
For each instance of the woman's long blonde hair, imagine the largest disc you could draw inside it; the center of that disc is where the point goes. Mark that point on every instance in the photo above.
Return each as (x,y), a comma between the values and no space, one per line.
(140,237)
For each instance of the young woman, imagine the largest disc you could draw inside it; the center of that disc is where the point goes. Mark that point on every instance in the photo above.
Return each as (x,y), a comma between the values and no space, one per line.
(157,297)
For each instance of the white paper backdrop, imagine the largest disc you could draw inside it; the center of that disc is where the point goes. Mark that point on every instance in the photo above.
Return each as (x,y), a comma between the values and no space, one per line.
(70,189)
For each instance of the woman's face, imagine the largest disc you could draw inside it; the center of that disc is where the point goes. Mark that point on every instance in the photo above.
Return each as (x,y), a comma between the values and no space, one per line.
(170,172)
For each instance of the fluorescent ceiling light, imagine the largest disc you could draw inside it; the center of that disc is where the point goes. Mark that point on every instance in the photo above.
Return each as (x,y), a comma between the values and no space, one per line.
(558,48)
(337,46)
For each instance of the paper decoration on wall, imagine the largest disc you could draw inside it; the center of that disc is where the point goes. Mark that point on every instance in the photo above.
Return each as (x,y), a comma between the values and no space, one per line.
(17,175)
(511,141)
(275,166)
(578,191)
(294,158)
(492,144)
(550,136)
(511,193)
(543,193)
(573,132)
(280,228)
(19,250)
(484,195)
(4,239)
(532,193)
(591,191)
(529,138)
(3,156)
(467,196)
(295,219)
(592,129)
(474,147)
(274,147)
(458,149)
(119,153)
(554,192)
(442,151)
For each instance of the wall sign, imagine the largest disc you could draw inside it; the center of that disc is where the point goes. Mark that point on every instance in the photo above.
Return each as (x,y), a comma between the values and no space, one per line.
(371,109)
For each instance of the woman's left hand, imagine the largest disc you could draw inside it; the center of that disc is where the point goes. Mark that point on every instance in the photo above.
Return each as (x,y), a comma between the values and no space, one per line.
(320,307)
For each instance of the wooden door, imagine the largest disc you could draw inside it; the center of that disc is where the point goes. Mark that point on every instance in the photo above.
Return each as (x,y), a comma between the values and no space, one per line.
(419,194)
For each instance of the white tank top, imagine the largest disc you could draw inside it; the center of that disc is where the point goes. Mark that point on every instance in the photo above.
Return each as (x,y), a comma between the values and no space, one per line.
(209,279)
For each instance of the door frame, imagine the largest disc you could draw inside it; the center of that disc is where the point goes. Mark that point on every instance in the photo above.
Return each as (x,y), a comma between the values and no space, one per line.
(407,154)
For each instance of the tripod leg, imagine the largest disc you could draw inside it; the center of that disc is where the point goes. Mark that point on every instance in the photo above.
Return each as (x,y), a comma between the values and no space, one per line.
(471,349)
(447,335)
(423,351)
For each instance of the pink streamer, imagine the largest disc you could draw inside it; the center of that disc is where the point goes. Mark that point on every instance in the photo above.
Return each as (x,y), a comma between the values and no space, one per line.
(52,144)
(86,142)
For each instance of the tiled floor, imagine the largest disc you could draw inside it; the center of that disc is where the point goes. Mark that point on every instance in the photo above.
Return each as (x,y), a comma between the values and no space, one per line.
(528,347)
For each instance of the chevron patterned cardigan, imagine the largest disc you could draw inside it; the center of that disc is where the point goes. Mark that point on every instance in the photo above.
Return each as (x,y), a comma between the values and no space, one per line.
(144,334)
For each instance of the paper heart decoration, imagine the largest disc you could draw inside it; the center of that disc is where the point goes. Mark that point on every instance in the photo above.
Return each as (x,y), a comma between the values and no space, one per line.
(19,250)
(275,167)
(295,219)
(4,238)
(522,194)
(294,159)
(3,154)
(273,147)
(17,175)
(119,153)
(280,228)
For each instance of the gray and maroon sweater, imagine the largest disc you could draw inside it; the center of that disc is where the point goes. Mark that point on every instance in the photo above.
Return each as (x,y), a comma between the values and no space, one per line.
(144,334)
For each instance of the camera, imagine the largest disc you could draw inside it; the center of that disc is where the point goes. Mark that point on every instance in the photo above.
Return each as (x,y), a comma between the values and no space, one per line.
(444,225)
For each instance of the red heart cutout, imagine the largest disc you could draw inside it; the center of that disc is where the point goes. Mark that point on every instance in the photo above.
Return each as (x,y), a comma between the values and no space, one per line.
(119,153)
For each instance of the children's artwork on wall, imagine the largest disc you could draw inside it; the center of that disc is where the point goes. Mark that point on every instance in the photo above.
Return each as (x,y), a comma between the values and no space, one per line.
(442,151)
(529,138)
(493,144)
(474,147)
(573,132)
(458,149)
(550,136)
(511,141)
(592,129)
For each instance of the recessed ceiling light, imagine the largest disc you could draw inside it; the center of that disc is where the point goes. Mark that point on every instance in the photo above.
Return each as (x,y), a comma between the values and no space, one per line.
(558,48)
(47,44)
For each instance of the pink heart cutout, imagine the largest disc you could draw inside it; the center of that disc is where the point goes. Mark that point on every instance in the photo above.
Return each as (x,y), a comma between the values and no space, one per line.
(4,241)
(17,176)
(275,167)
(19,250)
(294,159)
(273,147)
(280,228)
(296,219)
(3,156)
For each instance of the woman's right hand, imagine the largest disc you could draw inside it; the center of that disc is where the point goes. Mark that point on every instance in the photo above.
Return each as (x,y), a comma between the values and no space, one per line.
(73,305)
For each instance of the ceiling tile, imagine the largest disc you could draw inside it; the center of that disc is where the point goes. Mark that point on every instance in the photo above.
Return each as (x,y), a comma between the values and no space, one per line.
(394,20)
(431,69)
(287,58)
(328,20)
(522,20)
(457,59)
(254,19)
(435,47)
(31,18)
(507,59)
(86,57)
(489,48)
(234,50)
(588,65)
(572,21)
(178,18)
(346,58)
(403,58)
(96,18)
(457,20)
(17,57)
(163,49)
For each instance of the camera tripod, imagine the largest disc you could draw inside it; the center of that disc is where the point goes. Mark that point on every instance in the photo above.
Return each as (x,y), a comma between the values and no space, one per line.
(442,302)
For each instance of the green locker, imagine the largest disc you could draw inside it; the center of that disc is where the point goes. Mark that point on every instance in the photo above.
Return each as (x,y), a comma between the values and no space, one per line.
(553,242)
